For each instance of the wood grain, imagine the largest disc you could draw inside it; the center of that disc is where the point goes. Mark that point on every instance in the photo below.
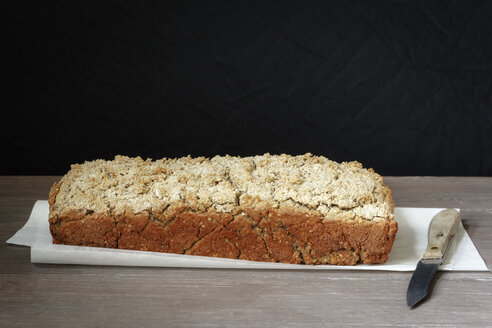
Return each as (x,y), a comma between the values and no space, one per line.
(87,296)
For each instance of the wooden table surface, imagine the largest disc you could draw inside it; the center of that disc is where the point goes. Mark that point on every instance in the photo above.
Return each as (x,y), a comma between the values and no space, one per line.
(95,296)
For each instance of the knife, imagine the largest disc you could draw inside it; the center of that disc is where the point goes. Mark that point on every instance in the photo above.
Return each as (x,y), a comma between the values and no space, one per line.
(442,229)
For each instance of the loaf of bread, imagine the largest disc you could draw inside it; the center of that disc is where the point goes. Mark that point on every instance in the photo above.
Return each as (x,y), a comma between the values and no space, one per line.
(275,208)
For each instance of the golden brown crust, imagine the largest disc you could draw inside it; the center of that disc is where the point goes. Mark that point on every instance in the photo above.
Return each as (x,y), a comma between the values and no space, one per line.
(55,188)
(271,235)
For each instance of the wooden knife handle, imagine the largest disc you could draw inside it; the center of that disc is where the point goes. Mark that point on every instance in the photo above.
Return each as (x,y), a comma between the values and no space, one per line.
(442,229)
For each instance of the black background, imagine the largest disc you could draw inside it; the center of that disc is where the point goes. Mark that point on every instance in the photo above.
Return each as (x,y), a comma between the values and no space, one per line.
(401,86)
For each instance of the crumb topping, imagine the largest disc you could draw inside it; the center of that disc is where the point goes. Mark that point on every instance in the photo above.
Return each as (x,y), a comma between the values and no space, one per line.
(305,183)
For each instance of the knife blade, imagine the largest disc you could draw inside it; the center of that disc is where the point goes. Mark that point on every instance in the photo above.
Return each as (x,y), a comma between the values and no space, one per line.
(442,230)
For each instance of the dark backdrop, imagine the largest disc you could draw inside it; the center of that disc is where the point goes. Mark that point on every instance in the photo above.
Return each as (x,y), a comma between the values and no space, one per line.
(401,86)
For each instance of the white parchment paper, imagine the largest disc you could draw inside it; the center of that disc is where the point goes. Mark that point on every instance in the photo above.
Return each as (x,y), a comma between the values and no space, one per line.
(410,243)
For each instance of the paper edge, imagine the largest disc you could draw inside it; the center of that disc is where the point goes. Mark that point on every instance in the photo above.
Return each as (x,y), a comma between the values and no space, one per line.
(37,256)
(29,223)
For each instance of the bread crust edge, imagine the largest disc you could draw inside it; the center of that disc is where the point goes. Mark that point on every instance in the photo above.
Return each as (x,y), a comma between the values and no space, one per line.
(268,235)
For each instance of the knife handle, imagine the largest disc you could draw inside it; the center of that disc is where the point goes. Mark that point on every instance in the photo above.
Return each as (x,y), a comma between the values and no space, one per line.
(442,229)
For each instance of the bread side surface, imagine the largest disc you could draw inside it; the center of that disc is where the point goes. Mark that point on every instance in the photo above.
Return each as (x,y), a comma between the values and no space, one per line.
(292,209)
